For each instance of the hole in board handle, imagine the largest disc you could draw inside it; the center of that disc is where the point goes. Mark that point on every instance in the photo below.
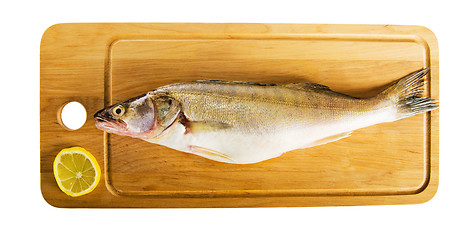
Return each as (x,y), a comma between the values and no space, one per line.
(72,115)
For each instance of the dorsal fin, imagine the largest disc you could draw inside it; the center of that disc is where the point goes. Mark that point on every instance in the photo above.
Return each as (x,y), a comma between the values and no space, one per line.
(307,86)
(235,82)
(317,88)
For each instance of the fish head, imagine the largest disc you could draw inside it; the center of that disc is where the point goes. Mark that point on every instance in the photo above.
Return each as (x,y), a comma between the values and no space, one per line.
(134,117)
(143,117)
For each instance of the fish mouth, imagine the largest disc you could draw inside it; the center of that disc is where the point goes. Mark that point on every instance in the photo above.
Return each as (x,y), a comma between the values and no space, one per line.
(104,123)
(100,115)
(100,118)
(110,127)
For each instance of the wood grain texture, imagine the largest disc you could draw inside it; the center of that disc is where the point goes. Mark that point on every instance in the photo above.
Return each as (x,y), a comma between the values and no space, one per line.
(100,64)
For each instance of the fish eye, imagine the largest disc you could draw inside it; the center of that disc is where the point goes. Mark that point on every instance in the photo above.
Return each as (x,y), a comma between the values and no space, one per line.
(118,111)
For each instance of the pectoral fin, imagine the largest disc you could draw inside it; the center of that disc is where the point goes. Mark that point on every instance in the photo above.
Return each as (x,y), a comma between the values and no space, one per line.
(329,139)
(210,154)
(204,126)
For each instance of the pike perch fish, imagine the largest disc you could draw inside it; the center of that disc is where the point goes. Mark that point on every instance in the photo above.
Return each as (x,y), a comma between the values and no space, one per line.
(244,122)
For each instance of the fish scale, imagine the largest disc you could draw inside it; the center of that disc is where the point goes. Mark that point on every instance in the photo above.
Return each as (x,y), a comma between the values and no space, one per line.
(253,103)
(245,122)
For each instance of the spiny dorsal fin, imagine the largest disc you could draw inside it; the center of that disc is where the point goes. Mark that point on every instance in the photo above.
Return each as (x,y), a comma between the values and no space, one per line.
(235,82)
(308,85)
(290,85)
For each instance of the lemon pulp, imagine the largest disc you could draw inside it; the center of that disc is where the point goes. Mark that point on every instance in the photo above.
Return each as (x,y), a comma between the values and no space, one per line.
(76,171)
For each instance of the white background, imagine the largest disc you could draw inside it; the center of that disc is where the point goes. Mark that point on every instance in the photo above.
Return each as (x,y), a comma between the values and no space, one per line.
(24,213)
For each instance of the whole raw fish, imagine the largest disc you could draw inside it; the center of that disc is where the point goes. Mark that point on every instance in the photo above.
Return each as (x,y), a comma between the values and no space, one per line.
(243,122)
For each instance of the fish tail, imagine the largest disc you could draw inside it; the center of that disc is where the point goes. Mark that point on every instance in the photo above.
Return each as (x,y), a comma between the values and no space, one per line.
(406,95)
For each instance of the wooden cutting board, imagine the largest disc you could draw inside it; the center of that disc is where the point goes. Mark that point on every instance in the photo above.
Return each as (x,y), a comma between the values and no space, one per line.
(100,64)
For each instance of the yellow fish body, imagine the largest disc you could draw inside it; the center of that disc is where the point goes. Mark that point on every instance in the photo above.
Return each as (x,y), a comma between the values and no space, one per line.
(242,122)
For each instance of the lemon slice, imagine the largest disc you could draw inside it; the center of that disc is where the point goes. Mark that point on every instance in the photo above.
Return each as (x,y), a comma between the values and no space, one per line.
(76,171)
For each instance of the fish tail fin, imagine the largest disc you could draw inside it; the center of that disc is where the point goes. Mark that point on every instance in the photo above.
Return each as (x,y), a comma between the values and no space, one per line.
(406,95)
